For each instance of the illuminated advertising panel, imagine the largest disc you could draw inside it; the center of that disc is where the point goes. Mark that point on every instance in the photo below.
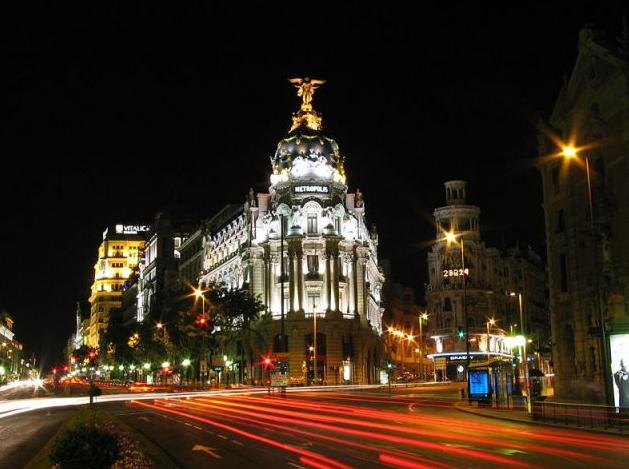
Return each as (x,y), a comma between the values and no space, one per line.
(479,383)
(619,352)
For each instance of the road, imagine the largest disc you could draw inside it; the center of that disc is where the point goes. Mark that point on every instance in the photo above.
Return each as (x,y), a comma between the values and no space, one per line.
(416,428)
(22,436)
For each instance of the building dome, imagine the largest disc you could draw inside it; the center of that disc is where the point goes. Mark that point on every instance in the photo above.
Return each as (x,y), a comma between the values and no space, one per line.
(307,154)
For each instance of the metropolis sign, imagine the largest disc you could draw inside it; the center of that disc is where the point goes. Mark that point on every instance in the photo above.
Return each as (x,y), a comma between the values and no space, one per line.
(311,189)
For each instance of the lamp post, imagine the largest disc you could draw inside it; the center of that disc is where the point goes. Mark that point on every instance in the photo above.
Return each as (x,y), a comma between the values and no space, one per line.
(200,294)
(451,238)
(314,343)
(422,317)
(524,356)
(570,152)
(490,322)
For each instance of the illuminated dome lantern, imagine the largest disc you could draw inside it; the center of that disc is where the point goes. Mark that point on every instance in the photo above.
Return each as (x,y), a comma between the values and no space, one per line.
(307,161)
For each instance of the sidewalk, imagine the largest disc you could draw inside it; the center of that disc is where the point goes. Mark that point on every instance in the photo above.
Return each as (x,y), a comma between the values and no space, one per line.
(520,416)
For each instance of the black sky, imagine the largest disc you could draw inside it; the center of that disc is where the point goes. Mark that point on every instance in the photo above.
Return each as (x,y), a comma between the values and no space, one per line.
(113,112)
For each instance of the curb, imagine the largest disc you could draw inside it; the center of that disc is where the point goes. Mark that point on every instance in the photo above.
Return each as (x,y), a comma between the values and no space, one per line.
(463,408)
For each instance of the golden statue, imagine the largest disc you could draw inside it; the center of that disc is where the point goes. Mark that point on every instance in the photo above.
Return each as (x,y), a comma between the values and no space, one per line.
(306,87)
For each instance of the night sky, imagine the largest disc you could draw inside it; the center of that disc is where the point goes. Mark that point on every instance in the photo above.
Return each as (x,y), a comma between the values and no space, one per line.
(115,112)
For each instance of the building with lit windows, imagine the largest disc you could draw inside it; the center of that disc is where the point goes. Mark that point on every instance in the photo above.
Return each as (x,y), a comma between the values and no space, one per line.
(305,250)
(118,256)
(10,350)
(158,268)
(471,283)
(587,219)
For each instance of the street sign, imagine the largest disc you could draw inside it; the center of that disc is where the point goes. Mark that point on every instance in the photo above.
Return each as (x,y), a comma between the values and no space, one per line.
(279,379)
(218,368)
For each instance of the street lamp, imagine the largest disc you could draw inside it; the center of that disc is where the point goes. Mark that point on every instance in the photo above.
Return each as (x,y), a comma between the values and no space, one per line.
(524,354)
(570,152)
(451,238)
(490,322)
(422,317)
(202,322)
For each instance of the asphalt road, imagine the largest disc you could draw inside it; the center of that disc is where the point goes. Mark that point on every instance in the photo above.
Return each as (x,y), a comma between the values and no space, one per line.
(411,429)
(22,436)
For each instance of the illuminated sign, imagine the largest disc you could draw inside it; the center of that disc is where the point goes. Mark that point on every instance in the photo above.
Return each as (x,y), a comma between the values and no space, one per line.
(455,272)
(311,189)
(132,229)
(619,351)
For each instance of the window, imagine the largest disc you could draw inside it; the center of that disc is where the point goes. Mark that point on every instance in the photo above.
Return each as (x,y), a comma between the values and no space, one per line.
(312,223)
(555,178)
(563,273)
(337,225)
(561,221)
(313,265)
(313,302)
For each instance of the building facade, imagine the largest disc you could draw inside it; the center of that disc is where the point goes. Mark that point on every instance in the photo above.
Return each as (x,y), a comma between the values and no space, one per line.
(587,219)
(118,255)
(305,251)
(10,351)
(158,268)
(471,283)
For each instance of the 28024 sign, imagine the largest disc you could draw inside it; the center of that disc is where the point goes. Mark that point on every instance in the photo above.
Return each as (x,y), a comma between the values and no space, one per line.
(455,272)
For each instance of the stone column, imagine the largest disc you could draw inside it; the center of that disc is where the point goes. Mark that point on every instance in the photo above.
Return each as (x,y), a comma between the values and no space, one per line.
(291,279)
(328,282)
(335,285)
(300,279)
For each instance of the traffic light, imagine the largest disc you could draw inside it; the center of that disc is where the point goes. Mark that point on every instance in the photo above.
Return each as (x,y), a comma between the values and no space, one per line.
(461,333)
(91,355)
(202,320)
(389,364)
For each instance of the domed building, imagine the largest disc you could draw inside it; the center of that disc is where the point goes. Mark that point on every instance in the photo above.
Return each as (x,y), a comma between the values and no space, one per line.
(305,250)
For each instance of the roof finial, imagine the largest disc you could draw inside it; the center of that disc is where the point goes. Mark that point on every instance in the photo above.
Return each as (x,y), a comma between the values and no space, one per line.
(306,115)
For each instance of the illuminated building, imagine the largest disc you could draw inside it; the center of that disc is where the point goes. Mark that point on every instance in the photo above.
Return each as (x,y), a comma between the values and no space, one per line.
(157,273)
(490,276)
(118,255)
(587,219)
(304,249)
(10,350)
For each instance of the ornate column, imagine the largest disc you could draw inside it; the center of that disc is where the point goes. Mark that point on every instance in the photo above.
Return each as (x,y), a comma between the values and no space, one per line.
(326,279)
(335,284)
(300,279)
(291,279)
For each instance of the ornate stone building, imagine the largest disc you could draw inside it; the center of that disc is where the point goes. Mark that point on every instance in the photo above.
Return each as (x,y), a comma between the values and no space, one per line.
(305,250)
(587,218)
(483,277)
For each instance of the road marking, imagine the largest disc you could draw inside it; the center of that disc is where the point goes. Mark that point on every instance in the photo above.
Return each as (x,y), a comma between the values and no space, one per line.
(146,419)
(188,424)
(509,451)
(296,465)
(198,428)
(239,443)
(223,437)
(207,450)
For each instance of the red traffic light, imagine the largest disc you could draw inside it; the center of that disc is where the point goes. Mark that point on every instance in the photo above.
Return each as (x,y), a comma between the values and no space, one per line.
(65,368)
(54,371)
(267,361)
(92,355)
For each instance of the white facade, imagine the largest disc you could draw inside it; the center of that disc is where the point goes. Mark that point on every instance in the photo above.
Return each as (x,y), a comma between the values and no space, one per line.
(304,248)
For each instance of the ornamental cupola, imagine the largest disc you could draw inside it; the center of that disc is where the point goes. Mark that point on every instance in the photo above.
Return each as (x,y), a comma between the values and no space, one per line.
(306,161)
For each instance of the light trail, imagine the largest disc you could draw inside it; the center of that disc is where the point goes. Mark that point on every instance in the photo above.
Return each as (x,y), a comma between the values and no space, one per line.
(322,460)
